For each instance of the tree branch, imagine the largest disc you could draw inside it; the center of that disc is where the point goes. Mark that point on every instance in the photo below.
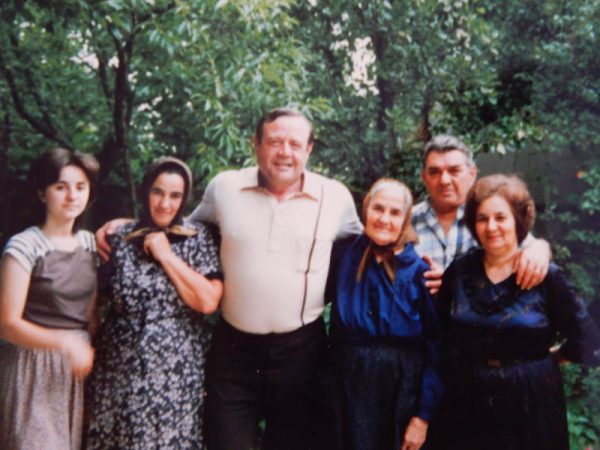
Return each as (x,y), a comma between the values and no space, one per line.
(44,128)
(31,84)
(101,70)
(384,86)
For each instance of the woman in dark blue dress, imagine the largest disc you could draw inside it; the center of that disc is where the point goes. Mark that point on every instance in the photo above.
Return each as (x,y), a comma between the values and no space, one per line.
(384,330)
(504,386)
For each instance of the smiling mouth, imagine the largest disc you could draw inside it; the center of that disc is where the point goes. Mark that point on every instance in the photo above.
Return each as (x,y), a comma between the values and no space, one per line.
(382,228)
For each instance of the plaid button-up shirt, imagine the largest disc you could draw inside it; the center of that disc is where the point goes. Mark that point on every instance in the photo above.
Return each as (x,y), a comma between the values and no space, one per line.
(432,240)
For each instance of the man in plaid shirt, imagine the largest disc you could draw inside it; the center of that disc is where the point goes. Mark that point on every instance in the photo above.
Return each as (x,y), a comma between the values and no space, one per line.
(448,173)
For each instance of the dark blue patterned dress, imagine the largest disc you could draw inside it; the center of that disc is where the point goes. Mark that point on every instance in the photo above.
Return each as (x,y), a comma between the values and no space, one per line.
(504,389)
(146,388)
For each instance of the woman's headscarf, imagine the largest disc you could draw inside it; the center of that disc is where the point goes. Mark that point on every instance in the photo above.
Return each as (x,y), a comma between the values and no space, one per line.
(407,232)
(146,225)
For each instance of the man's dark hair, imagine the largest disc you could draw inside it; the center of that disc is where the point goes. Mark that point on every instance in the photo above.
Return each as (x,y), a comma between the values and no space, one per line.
(274,114)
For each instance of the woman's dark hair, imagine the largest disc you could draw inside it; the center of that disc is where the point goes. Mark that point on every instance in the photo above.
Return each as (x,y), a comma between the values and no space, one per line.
(45,170)
(166,164)
(512,189)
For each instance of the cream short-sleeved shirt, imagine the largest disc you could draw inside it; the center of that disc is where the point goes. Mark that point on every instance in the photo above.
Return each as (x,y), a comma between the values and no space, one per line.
(266,243)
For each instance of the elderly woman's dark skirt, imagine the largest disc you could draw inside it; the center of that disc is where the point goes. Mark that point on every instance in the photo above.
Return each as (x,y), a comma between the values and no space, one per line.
(376,388)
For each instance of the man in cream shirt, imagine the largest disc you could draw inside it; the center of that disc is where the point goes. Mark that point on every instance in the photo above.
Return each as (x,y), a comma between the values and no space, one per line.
(278,222)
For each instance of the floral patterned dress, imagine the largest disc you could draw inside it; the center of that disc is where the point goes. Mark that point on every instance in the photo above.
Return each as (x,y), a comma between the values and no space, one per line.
(146,388)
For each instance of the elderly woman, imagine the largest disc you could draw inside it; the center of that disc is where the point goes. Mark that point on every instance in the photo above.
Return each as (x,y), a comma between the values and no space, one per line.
(47,293)
(384,330)
(504,386)
(146,389)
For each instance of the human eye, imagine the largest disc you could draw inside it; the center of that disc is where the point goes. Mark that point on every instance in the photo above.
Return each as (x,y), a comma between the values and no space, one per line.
(456,170)
(433,171)
(295,145)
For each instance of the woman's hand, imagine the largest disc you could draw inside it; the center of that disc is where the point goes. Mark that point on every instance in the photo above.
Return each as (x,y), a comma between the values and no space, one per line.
(157,245)
(558,357)
(196,291)
(415,434)
(80,354)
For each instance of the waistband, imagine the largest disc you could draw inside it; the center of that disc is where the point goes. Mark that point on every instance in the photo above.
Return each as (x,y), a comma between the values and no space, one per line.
(505,362)
(377,341)
(225,330)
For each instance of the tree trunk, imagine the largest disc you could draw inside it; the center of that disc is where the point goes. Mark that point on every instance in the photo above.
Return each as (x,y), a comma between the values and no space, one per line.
(120,120)
(4,147)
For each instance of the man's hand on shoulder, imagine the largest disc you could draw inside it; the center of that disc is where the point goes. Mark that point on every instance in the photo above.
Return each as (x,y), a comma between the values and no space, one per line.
(433,275)
(107,229)
(531,263)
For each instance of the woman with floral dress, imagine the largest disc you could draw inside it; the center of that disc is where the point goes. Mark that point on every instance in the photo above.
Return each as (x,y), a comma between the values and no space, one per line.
(146,389)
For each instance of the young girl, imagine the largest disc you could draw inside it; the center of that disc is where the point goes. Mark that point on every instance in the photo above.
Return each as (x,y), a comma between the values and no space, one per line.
(47,291)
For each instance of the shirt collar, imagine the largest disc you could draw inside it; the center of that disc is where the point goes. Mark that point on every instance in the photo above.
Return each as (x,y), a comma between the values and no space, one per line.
(311,187)
(429,211)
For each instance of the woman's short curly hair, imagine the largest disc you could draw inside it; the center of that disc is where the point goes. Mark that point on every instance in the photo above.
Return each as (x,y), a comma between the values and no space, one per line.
(512,189)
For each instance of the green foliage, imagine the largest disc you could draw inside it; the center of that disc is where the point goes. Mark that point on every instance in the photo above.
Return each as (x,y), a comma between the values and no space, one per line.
(582,390)
(129,80)
(425,56)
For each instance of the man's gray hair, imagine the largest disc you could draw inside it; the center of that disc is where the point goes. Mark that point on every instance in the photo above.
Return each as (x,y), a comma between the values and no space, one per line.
(446,143)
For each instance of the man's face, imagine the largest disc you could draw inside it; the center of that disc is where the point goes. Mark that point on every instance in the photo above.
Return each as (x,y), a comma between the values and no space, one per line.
(283,152)
(448,178)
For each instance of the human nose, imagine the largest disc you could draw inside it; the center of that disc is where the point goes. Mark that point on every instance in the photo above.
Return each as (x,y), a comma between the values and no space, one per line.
(445,177)
(492,225)
(164,202)
(384,217)
(284,149)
